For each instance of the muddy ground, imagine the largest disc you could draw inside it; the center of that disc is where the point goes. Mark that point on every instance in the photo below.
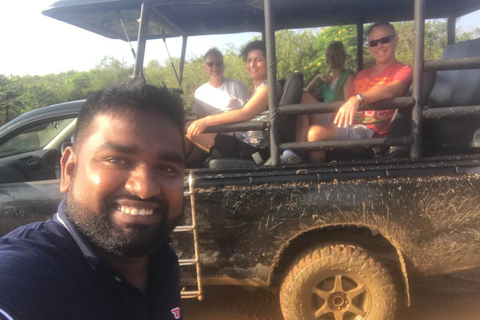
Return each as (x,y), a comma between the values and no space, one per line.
(448,297)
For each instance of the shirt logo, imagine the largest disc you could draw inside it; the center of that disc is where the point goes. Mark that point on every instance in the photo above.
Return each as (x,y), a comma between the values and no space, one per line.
(176,312)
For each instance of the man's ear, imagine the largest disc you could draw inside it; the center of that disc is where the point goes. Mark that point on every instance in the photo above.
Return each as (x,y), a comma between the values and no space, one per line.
(68,162)
(395,41)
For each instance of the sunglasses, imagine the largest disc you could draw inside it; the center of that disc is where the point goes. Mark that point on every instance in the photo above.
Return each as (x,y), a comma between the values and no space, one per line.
(210,64)
(384,40)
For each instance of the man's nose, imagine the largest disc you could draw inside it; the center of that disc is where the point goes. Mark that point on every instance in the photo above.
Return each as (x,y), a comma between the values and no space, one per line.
(142,183)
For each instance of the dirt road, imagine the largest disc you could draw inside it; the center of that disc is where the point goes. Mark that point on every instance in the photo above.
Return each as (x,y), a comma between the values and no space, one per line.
(450,297)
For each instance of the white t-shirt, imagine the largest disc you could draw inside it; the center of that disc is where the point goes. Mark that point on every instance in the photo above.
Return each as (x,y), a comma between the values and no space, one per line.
(209,100)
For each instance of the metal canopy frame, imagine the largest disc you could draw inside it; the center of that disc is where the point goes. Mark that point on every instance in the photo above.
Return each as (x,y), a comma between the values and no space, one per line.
(174,18)
(278,14)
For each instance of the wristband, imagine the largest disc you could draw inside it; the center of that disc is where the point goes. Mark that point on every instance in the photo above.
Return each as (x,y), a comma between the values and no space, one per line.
(360,97)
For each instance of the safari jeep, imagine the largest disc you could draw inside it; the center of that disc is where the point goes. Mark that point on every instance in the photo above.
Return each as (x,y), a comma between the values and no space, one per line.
(339,239)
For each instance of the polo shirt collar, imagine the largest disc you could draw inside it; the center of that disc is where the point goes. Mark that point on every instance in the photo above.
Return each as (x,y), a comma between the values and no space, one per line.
(85,246)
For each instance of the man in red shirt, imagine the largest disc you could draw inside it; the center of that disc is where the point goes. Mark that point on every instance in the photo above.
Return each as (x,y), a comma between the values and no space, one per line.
(388,78)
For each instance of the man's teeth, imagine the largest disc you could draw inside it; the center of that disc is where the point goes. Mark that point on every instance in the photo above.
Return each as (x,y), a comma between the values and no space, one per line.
(135,211)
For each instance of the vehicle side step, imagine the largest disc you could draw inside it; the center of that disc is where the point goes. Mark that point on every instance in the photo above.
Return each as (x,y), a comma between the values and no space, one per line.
(190,294)
(195,261)
(183,229)
(187,262)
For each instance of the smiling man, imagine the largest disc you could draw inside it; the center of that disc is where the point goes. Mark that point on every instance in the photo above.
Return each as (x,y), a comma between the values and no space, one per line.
(388,78)
(219,94)
(216,96)
(105,254)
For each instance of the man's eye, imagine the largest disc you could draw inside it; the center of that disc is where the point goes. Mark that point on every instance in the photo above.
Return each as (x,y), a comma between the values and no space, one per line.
(166,169)
(117,161)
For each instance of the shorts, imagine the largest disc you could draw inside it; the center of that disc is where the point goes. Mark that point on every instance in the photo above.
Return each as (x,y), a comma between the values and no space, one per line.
(354,131)
(227,146)
(325,119)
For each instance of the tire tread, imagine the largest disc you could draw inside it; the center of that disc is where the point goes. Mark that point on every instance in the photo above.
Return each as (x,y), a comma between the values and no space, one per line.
(331,255)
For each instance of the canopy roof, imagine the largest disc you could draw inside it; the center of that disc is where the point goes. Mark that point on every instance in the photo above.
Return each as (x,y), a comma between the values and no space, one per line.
(172,18)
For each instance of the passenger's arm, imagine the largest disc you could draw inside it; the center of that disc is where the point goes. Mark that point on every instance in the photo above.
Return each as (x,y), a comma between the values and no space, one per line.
(321,76)
(256,105)
(346,112)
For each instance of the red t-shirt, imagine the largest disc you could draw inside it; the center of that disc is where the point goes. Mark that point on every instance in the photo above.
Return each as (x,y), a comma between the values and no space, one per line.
(379,120)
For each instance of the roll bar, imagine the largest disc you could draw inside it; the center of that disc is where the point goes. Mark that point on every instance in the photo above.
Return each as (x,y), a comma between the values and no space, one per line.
(274,110)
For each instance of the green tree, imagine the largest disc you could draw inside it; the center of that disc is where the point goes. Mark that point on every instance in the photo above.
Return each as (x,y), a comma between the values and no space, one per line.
(41,91)
(235,67)
(435,39)
(109,71)
(163,74)
(294,50)
(79,84)
(9,99)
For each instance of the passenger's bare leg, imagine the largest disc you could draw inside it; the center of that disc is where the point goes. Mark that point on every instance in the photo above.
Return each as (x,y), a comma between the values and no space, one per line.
(305,121)
(308,98)
(205,141)
(320,133)
(196,159)
(301,128)
(197,149)
(322,119)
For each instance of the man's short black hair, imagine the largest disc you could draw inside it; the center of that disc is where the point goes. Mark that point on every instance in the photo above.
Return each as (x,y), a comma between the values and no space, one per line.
(133,95)
(213,51)
(382,24)
(254,45)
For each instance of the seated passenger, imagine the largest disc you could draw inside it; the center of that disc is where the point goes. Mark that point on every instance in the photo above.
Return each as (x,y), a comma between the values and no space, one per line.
(218,95)
(334,88)
(388,78)
(241,144)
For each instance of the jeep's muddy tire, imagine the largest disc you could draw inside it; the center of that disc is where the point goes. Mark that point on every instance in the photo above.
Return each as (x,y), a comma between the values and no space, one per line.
(338,282)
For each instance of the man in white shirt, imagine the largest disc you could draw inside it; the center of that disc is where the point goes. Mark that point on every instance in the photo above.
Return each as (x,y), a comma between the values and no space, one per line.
(220,94)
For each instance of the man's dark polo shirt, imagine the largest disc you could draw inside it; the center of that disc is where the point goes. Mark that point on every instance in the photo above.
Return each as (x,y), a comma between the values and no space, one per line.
(48,271)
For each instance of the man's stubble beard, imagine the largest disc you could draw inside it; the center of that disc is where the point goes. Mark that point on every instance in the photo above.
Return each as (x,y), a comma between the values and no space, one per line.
(128,241)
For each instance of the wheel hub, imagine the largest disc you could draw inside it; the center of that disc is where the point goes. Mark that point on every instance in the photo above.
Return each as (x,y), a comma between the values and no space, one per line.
(338,301)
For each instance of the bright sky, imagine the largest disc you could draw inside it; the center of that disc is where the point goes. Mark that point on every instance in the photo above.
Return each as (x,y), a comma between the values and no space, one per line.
(35,44)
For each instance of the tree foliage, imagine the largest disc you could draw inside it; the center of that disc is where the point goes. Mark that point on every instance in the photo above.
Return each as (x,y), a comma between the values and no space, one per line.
(294,50)
(435,39)
(299,50)
(9,99)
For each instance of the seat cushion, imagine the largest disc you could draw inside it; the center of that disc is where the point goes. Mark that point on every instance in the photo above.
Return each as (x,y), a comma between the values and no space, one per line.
(228,163)
(292,94)
(455,88)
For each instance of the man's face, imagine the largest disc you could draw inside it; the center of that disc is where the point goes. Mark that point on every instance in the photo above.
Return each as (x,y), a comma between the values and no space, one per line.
(125,182)
(214,66)
(382,52)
